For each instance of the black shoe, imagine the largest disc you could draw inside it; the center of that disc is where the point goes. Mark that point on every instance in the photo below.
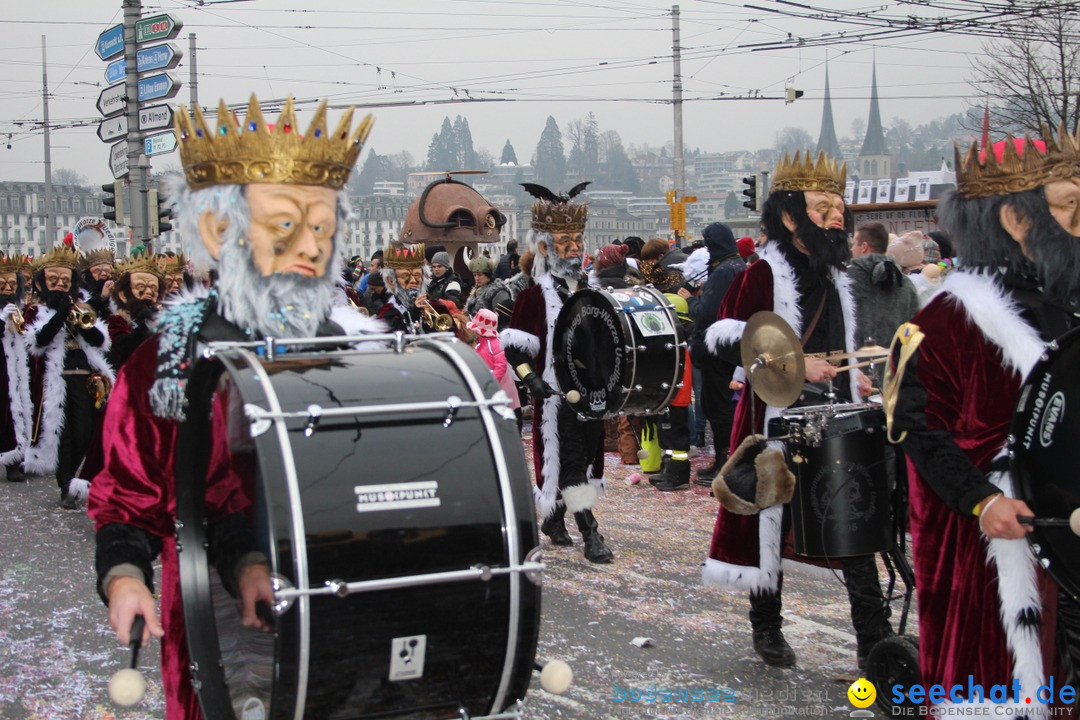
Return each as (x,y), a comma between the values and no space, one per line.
(676,477)
(771,646)
(596,551)
(15,473)
(699,441)
(658,476)
(69,502)
(555,528)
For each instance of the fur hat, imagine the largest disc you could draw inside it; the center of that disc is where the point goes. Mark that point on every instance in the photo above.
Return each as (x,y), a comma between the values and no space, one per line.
(754,477)
(907,250)
(441,258)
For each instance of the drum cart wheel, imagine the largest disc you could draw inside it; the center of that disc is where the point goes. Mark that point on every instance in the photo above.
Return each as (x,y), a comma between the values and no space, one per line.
(893,661)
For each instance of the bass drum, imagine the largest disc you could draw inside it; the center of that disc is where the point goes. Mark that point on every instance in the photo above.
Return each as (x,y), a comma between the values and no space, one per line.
(621,350)
(1045,449)
(389,496)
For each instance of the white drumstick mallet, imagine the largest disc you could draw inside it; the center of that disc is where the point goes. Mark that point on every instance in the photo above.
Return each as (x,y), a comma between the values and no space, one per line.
(1073,521)
(555,677)
(573,397)
(127,686)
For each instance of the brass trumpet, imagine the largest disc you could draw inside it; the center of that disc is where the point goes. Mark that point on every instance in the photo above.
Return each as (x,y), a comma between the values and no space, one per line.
(17,322)
(82,316)
(439,321)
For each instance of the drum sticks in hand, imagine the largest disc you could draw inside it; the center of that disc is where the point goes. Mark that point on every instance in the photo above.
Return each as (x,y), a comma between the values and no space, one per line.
(1072,522)
(127,686)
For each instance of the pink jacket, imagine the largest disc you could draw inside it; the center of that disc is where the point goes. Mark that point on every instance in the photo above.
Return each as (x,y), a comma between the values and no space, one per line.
(491,351)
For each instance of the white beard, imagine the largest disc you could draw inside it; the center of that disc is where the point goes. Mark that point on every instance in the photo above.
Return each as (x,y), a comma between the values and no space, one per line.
(568,269)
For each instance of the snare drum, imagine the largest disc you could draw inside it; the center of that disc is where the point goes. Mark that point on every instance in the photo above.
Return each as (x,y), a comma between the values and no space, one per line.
(841,503)
(390,497)
(621,350)
(1045,456)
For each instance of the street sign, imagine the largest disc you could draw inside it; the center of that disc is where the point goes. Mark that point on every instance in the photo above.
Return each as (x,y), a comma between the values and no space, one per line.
(157,57)
(160,144)
(157,27)
(158,87)
(113,128)
(115,71)
(155,116)
(118,159)
(112,100)
(110,43)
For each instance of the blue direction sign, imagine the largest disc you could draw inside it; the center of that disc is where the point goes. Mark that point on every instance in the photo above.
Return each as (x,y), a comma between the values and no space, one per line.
(115,71)
(158,57)
(110,43)
(160,143)
(157,87)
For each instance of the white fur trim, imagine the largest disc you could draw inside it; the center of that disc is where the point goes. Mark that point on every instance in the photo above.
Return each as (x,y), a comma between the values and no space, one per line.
(847,307)
(579,497)
(997,316)
(746,577)
(79,489)
(728,331)
(354,322)
(18,395)
(526,342)
(785,291)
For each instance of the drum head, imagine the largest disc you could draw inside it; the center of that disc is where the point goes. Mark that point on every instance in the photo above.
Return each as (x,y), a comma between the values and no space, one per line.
(590,351)
(1046,454)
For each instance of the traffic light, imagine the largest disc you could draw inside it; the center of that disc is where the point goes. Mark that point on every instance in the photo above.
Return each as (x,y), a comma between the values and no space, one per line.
(114,198)
(159,212)
(751,193)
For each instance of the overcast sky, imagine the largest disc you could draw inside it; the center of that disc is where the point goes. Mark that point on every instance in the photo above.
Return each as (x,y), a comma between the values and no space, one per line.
(533,58)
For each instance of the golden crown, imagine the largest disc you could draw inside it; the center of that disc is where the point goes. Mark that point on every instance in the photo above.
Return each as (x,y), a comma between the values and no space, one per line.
(981,174)
(14,263)
(257,154)
(138,263)
(170,264)
(826,175)
(97,257)
(404,256)
(559,217)
(60,256)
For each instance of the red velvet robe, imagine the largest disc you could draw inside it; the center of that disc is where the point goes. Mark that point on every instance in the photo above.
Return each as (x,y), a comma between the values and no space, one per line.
(136,488)
(746,549)
(976,350)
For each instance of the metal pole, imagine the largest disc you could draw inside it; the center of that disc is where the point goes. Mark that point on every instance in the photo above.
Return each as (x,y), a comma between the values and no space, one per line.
(680,172)
(193,77)
(50,218)
(138,164)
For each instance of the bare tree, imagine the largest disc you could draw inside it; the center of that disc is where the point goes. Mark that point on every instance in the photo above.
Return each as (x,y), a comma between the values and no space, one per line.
(67,176)
(790,139)
(1029,76)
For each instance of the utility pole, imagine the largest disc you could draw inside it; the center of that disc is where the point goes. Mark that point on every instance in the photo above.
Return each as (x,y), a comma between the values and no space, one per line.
(193,76)
(50,218)
(138,163)
(680,168)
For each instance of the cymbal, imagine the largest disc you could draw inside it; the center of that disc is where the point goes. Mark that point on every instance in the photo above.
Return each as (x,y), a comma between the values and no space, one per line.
(773,358)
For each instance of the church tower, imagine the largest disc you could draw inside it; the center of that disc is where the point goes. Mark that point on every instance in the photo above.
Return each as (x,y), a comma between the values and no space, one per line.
(874,159)
(827,141)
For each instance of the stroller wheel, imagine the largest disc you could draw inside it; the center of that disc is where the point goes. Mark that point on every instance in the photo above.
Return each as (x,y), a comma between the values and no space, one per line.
(893,661)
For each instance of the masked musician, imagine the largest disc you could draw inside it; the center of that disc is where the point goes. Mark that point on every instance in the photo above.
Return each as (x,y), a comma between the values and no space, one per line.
(269,210)
(986,607)
(567,452)
(175,274)
(406,278)
(69,340)
(96,267)
(15,414)
(138,285)
(800,276)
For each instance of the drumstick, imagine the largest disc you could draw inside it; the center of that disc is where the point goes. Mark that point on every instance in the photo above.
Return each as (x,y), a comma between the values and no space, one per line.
(844,368)
(555,676)
(1072,522)
(127,686)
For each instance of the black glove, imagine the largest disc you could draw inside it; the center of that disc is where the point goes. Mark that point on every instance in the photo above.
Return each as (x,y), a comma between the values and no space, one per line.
(536,386)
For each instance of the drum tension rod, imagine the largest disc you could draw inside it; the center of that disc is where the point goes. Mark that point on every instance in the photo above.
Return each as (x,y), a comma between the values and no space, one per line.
(453,403)
(314,414)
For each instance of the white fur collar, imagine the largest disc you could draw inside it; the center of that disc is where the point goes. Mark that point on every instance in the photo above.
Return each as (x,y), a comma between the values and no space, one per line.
(988,305)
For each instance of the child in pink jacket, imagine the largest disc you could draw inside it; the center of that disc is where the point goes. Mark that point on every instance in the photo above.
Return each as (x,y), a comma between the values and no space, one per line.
(485,324)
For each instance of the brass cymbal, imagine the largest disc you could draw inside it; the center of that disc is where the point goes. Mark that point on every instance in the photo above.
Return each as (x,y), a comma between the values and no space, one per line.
(773,359)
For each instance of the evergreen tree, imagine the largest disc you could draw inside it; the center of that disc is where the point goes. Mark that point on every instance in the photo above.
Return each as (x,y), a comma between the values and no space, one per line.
(462,145)
(376,167)
(441,152)
(550,163)
(590,148)
(614,166)
(508,154)
(731,205)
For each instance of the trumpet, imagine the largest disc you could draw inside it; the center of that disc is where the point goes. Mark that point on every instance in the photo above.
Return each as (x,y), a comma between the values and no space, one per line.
(82,316)
(439,321)
(17,322)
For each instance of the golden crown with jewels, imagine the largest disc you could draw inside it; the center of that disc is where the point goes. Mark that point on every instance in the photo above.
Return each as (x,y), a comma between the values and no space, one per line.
(171,264)
(141,263)
(255,153)
(404,256)
(97,257)
(1023,164)
(14,263)
(60,256)
(802,173)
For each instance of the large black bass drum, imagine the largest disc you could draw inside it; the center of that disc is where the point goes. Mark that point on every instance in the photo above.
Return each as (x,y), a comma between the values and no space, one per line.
(1045,447)
(621,350)
(390,508)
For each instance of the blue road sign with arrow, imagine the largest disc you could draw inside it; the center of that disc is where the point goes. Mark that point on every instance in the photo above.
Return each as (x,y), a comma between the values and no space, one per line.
(157,57)
(114,71)
(156,87)
(110,43)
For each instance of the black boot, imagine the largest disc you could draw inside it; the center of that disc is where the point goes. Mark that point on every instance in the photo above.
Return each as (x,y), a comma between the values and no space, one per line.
(15,472)
(677,476)
(869,611)
(699,441)
(658,476)
(555,528)
(769,641)
(595,549)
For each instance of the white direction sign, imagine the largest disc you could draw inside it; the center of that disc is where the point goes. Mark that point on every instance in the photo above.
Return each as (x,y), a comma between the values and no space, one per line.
(118,159)
(113,128)
(155,116)
(160,143)
(112,99)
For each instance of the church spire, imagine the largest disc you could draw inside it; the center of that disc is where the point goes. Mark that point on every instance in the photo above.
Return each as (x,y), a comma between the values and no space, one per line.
(827,141)
(874,144)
